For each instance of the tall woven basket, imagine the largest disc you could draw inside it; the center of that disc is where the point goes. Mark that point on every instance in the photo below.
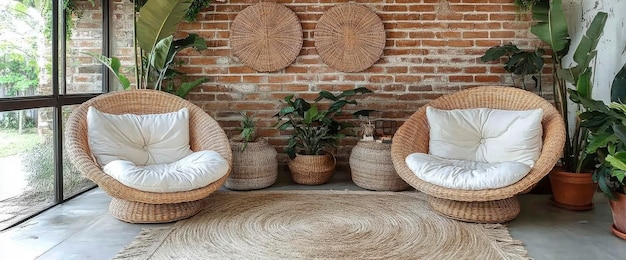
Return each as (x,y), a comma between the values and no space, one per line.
(254,168)
(372,168)
(312,169)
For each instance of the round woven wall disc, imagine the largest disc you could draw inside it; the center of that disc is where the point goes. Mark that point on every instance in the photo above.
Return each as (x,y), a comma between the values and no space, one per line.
(266,36)
(350,37)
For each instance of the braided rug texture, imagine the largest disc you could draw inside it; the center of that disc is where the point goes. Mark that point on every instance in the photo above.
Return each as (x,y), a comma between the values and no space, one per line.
(322,225)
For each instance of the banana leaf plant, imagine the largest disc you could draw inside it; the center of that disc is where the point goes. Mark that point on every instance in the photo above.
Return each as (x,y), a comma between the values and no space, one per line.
(607,135)
(315,129)
(551,28)
(154,28)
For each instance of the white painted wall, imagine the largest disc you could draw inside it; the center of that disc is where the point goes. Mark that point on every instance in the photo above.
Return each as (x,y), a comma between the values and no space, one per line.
(612,46)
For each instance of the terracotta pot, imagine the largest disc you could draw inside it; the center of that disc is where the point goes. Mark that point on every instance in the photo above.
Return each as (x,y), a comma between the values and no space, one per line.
(312,169)
(572,191)
(618,208)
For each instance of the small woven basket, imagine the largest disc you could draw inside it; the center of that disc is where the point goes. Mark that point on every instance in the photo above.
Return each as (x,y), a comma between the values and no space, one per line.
(254,168)
(372,168)
(312,169)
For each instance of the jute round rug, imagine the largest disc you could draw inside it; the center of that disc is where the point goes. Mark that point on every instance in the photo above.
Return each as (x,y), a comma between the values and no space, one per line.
(322,225)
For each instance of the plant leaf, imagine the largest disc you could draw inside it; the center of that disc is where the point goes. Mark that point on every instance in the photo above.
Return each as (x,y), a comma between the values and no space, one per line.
(186,87)
(114,66)
(158,19)
(585,51)
(552,25)
(160,53)
(618,88)
(618,160)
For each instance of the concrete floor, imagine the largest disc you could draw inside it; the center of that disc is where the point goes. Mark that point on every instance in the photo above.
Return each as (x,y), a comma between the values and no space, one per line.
(83,229)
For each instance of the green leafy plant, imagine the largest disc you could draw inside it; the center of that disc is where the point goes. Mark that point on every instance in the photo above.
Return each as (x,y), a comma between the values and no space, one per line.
(315,129)
(154,28)
(551,28)
(607,135)
(248,129)
(519,62)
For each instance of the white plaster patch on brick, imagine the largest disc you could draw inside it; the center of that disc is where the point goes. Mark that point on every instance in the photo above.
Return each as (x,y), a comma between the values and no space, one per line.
(223,60)
(244,88)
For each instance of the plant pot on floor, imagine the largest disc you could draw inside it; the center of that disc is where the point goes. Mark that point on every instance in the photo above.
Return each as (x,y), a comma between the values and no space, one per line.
(618,209)
(256,167)
(312,169)
(572,191)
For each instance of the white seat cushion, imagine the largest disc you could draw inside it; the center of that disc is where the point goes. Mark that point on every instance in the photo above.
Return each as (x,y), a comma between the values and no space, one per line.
(486,135)
(465,175)
(196,170)
(141,139)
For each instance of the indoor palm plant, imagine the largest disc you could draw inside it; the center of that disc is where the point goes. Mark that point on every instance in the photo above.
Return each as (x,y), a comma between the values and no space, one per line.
(155,24)
(575,166)
(316,131)
(255,165)
(607,143)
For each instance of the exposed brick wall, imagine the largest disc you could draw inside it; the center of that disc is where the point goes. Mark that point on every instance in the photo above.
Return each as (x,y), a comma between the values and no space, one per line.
(432,48)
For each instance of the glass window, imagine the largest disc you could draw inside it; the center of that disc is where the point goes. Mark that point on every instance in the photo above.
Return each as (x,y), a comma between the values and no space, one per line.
(25,49)
(26,156)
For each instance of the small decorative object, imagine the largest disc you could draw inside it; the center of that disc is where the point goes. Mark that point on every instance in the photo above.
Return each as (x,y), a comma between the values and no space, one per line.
(350,37)
(315,133)
(255,165)
(266,36)
(367,128)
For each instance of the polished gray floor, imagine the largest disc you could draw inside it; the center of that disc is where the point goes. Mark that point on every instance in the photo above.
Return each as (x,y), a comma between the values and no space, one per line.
(83,229)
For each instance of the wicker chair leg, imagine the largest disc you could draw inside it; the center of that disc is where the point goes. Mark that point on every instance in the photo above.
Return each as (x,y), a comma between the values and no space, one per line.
(137,212)
(496,211)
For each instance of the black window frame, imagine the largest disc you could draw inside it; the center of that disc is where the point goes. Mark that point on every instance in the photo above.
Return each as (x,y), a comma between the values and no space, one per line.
(59,99)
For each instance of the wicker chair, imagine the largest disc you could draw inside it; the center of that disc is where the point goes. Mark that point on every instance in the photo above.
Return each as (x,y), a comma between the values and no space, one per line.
(482,206)
(132,205)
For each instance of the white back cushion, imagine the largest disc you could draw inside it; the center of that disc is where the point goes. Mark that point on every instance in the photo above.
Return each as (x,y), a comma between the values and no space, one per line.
(194,171)
(141,139)
(465,175)
(486,135)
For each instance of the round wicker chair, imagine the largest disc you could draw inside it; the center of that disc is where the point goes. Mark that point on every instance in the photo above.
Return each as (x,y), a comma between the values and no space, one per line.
(132,205)
(482,206)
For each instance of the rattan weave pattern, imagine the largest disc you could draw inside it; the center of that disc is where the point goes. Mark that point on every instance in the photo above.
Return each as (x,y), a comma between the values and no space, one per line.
(371,167)
(266,36)
(350,37)
(205,134)
(254,168)
(413,136)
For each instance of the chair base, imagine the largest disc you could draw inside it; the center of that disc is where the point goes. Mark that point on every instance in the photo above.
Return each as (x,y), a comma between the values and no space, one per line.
(496,211)
(138,212)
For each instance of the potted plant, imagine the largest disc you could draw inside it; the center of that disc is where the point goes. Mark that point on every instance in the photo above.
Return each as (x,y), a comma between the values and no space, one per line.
(315,132)
(571,182)
(255,165)
(607,143)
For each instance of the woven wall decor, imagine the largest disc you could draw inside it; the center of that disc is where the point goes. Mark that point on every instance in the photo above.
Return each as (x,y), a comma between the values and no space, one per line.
(266,36)
(350,37)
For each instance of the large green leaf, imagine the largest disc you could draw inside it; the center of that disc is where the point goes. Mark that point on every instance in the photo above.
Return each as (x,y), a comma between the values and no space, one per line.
(310,115)
(159,55)
(618,88)
(618,160)
(496,52)
(158,19)
(585,52)
(552,25)
(186,87)
(114,66)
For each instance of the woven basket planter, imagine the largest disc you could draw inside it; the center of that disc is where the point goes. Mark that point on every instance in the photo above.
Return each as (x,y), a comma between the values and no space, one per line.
(312,169)
(372,168)
(254,168)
